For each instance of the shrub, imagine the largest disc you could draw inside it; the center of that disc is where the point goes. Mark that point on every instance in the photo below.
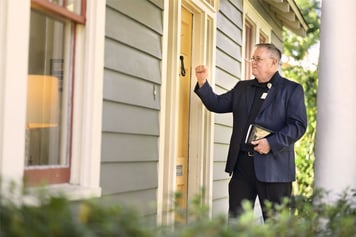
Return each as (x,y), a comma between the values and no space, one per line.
(56,216)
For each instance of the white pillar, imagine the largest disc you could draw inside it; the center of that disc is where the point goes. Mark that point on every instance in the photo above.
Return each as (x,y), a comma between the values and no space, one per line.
(335,167)
(14,39)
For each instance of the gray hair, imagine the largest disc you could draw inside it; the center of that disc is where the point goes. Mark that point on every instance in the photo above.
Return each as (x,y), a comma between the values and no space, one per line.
(275,52)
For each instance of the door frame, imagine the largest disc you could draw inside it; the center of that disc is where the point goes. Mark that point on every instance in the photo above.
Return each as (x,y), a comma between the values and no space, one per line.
(200,164)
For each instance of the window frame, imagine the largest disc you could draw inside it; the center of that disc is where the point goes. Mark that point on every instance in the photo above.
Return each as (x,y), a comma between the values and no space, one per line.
(53,8)
(14,43)
(249,39)
(37,175)
(260,28)
(263,38)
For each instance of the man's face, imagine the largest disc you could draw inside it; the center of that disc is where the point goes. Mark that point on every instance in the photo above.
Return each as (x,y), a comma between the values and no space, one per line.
(262,64)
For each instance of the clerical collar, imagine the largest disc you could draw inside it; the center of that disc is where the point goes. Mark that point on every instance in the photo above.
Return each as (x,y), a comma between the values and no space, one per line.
(263,85)
(267,84)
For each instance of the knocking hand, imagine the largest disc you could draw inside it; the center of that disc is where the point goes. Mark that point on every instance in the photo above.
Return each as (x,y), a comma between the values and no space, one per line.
(201,72)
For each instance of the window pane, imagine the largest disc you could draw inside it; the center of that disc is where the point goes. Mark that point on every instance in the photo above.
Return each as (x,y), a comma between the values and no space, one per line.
(58,2)
(74,6)
(249,28)
(70,5)
(47,95)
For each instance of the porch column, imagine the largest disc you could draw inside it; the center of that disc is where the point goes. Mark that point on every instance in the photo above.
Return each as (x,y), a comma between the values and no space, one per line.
(14,39)
(335,167)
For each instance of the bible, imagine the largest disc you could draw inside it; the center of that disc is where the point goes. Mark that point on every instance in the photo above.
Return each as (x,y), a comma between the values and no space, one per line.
(256,132)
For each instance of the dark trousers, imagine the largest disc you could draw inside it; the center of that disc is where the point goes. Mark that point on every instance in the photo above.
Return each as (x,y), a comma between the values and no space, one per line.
(244,186)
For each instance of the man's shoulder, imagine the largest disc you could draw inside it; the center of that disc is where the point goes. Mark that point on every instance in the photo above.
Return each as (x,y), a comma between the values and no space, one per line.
(246,82)
(289,86)
(288,82)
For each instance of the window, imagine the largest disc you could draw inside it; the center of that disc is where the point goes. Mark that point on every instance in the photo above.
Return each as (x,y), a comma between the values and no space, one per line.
(257,30)
(249,29)
(50,92)
(71,9)
(263,38)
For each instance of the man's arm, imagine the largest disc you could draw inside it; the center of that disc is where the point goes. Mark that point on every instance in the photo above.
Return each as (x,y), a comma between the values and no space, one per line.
(213,102)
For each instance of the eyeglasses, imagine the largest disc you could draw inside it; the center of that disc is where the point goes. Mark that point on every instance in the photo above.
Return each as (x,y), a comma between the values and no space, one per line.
(256,60)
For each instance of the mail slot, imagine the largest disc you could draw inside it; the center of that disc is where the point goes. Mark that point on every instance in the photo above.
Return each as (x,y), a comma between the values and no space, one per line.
(179,171)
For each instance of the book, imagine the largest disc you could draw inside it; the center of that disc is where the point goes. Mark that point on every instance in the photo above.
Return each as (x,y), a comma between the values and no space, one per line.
(256,132)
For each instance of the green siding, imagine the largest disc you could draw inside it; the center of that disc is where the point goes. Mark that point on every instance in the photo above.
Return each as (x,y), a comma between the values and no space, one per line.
(228,72)
(132,95)
(131,106)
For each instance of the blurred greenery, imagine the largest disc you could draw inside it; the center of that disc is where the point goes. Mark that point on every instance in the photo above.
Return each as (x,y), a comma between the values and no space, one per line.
(57,216)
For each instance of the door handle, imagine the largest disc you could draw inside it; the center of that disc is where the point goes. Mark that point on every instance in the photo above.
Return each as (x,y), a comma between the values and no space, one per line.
(182,68)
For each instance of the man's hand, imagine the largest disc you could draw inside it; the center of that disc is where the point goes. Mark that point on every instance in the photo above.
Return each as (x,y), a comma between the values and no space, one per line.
(261,146)
(201,72)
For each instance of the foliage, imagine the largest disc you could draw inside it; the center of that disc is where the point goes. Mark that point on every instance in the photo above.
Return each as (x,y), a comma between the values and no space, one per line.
(56,216)
(296,48)
(306,146)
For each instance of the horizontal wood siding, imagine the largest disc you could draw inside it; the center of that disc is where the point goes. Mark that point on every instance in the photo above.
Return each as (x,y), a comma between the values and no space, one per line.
(123,118)
(134,200)
(131,106)
(228,73)
(121,177)
(121,58)
(131,90)
(131,147)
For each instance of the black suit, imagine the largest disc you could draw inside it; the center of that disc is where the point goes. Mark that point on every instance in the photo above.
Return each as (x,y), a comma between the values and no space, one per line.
(283,112)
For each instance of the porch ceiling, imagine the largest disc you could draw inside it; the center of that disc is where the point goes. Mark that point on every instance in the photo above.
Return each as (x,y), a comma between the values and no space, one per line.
(289,14)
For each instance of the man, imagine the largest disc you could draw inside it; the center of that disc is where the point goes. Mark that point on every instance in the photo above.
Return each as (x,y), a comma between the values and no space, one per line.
(267,166)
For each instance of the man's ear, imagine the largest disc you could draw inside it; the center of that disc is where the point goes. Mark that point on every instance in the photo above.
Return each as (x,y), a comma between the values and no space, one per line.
(274,62)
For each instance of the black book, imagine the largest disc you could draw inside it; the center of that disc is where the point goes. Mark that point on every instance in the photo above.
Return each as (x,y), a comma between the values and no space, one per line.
(256,132)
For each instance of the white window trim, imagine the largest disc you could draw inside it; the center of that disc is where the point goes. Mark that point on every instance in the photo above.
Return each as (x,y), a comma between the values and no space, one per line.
(89,75)
(261,25)
(88,99)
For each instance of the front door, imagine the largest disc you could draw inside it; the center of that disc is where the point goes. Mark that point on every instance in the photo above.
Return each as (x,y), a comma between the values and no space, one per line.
(184,108)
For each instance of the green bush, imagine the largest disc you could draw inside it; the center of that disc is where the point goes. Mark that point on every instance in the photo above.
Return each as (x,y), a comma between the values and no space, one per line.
(56,216)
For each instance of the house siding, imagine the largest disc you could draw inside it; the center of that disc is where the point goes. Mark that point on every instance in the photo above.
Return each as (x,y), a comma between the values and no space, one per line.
(131,111)
(131,99)
(228,73)
(131,102)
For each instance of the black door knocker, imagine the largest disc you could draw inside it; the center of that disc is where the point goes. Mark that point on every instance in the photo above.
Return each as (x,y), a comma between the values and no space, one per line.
(182,69)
